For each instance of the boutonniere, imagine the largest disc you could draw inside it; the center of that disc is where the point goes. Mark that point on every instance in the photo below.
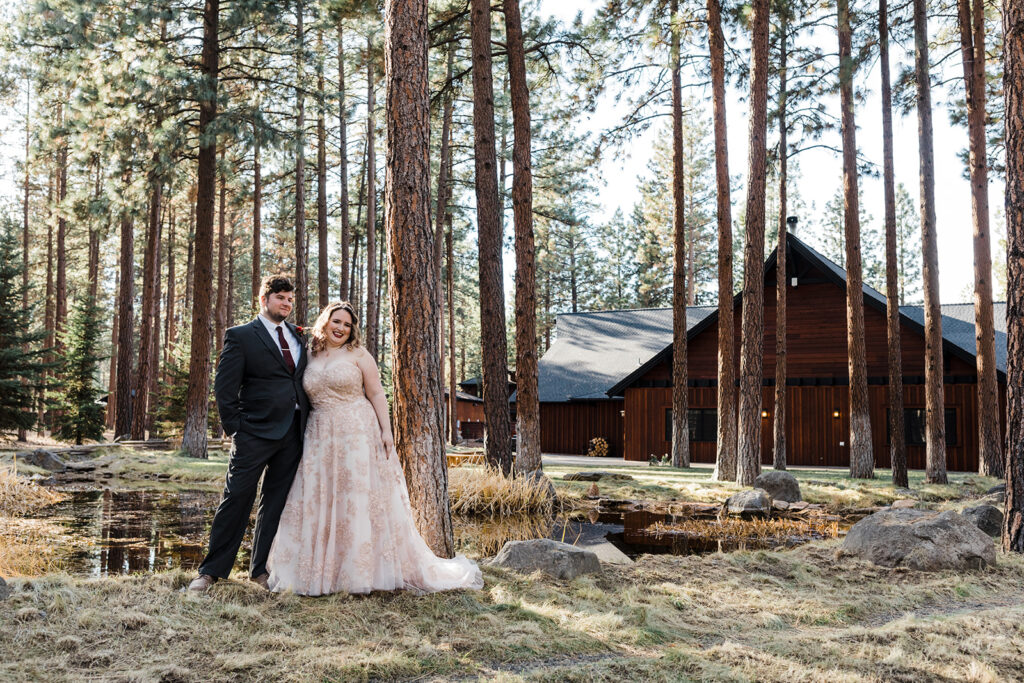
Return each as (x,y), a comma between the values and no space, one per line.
(300,331)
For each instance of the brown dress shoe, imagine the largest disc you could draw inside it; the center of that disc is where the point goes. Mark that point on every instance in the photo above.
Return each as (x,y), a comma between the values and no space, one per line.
(202,583)
(263,581)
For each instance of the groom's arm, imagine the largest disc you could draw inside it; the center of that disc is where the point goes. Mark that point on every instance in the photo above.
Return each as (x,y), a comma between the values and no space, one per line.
(230,370)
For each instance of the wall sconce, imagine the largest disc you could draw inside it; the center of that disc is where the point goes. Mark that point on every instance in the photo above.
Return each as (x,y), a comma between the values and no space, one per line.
(835,414)
(764,413)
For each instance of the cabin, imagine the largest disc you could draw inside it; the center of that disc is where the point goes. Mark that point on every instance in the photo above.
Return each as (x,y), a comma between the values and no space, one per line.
(469,414)
(627,356)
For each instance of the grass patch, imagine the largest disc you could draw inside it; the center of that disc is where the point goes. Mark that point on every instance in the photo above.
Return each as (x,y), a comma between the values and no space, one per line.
(774,616)
(485,491)
(19,497)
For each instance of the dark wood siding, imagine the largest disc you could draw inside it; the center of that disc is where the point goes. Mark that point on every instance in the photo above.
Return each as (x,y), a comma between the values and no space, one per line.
(568,427)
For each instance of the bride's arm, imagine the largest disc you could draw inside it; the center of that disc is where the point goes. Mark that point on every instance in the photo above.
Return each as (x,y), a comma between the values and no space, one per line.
(375,393)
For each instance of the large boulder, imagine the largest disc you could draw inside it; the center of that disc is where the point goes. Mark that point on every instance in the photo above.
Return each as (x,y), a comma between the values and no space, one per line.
(596,475)
(45,459)
(988,518)
(920,539)
(779,485)
(560,560)
(750,503)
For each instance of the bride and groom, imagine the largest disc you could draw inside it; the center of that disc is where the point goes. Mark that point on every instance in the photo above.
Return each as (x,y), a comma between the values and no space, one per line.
(312,420)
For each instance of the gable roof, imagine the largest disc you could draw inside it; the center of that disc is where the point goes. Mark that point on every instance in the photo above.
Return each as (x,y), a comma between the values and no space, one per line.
(592,351)
(958,329)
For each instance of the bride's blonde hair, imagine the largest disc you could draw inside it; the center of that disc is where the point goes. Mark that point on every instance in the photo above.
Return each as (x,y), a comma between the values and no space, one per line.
(318,334)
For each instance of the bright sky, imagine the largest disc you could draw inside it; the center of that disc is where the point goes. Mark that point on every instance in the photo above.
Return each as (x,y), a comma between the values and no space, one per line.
(821,170)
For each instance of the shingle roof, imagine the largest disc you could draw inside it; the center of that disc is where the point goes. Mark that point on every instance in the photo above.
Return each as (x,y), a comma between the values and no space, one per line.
(958,327)
(592,351)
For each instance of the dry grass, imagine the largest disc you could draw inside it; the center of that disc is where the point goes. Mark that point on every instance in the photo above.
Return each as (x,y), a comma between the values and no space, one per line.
(484,491)
(801,615)
(19,497)
(27,546)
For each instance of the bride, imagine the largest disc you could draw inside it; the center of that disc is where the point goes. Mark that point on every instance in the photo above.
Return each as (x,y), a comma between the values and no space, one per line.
(347,524)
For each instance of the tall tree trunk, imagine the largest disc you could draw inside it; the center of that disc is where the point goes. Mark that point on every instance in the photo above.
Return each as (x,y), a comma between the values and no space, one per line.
(301,253)
(190,252)
(725,459)
(680,409)
(323,286)
(22,432)
(154,354)
(61,286)
(150,274)
(126,322)
(412,277)
(114,336)
(353,275)
(344,288)
(492,301)
(170,326)
(443,200)
(93,264)
(528,453)
(49,310)
(897,438)
(371,210)
(453,412)
(257,219)
(935,429)
(972,49)
(197,402)
(1013,92)
(862,462)
(748,461)
(781,276)
(221,313)
(378,291)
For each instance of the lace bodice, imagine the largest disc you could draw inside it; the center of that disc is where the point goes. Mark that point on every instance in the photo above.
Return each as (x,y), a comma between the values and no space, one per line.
(332,379)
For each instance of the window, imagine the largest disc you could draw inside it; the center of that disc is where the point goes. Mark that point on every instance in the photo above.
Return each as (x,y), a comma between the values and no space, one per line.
(915,423)
(702,424)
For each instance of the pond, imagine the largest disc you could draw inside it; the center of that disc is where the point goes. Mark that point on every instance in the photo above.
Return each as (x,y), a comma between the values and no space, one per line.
(129,531)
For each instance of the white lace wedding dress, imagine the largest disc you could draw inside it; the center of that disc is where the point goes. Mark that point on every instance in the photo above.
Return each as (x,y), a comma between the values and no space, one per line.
(347,525)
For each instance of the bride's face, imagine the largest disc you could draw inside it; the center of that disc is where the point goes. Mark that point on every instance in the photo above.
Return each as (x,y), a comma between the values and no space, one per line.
(339,328)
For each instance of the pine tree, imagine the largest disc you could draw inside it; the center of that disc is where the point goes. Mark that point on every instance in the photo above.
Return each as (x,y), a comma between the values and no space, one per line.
(21,371)
(79,415)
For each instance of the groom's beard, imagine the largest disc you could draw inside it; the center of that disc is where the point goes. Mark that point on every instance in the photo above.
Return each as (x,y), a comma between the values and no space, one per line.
(274,317)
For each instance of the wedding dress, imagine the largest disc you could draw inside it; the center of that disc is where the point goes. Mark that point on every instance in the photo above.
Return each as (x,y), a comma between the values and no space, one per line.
(347,524)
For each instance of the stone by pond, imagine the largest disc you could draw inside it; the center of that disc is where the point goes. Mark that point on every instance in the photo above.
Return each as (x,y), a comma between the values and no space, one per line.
(560,560)
(779,485)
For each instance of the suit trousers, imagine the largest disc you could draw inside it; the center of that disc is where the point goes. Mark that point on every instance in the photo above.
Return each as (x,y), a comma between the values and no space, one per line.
(276,460)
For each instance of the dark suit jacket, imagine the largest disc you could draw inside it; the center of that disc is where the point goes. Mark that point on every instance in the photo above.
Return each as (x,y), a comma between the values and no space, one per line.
(256,394)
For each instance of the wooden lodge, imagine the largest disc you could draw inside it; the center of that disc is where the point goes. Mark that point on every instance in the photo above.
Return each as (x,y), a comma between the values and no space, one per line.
(469,413)
(609,374)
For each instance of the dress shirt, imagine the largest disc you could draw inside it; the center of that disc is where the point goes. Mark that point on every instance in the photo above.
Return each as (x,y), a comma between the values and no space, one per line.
(294,346)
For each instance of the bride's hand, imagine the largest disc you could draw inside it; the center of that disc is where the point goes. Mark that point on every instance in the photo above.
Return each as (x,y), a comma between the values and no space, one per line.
(389,444)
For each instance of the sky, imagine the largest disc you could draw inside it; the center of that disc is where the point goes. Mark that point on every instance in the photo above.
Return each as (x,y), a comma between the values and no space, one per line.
(821,170)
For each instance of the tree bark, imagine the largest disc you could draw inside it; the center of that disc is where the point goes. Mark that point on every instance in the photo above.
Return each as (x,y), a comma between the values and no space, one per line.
(221,312)
(1013,92)
(344,288)
(412,276)
(170,326)
(323,286)
(443,200)
(23,433)
(126,322)
(114,336)
(680,410)
(371,210)
(93,265)
(494,367)
(972,49)
(150,274)
(197,402)
(862,462)
(301,253)
(453,411)
(528,453)
(781,251)
(154,348)
(897,438)
(257,219)
(61,286)
(748,461)
(935,429)
(725,459)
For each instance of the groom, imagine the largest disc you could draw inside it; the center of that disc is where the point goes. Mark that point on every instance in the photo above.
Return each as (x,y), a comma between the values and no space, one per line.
(263,406)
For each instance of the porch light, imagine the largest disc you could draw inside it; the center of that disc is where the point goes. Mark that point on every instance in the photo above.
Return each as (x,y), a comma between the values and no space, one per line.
(764,413)
(835,414)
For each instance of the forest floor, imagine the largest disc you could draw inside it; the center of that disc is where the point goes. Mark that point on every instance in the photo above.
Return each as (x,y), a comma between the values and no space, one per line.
(809,613)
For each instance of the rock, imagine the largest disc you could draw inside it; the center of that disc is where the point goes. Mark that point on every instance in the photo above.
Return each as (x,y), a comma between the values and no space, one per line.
(751,503)
(45,459)
(81,467)
(607,553)
(560,560)
(799,506)
(904,504)
(592,492)
(5,590)
(780,505)
(920,539)
(538,478)
(998,488)
(779,485)
(988,518)
(993,499)
(596,475)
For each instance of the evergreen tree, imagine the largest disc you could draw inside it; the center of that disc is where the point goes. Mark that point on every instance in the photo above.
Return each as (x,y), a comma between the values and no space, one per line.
(21,355)
(80,416)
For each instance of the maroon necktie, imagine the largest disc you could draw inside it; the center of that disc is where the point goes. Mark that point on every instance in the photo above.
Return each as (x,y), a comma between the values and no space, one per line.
(285,350)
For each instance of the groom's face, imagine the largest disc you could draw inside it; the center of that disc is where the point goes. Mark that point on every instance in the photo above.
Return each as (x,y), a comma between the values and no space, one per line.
(278,305)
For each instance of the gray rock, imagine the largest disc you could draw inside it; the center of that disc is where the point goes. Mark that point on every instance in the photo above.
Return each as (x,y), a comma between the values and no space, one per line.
(904,504)
(560,560)
(779,485)
(988,518)
(83,466)
(750,503)
(998,488)
(596,475)
(45,459)
(5,590)
(608,554)
(920,539)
